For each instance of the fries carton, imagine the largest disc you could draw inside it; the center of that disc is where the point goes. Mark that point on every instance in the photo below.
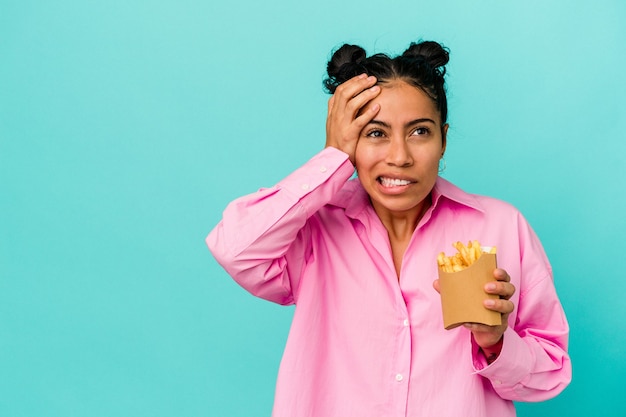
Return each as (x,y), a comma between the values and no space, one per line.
(462,294)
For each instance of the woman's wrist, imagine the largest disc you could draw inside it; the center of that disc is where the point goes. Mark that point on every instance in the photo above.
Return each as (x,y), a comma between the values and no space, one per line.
(492,352)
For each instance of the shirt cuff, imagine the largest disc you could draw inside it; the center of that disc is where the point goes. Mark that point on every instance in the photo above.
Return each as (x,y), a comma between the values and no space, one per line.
(512,365)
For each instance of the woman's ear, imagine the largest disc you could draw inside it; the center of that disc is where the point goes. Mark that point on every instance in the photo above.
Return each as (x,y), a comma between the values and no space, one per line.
(444,138)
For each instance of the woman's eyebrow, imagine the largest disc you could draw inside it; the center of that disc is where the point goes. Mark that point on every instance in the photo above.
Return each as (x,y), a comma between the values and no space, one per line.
(379,123)
(411,123)
(422,120)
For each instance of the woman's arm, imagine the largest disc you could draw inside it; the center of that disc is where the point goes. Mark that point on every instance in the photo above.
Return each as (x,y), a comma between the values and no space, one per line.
(532,363)
(262,241)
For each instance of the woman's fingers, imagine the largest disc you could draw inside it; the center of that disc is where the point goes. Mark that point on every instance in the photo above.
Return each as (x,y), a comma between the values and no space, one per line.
(499,305)
(437,286)
(347,90)
(357,103)
(502,287)
(504,290)
(366,116)
(501,275)
(347,113)
(354,94)
(354,86)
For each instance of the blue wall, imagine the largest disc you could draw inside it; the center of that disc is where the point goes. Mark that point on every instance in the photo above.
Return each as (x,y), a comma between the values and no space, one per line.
(127,126)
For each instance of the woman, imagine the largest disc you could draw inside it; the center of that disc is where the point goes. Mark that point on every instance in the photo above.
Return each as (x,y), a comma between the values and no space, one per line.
(358,258)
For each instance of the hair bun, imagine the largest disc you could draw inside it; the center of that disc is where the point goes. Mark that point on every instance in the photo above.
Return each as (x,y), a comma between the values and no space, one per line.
(432,53)
(344,64)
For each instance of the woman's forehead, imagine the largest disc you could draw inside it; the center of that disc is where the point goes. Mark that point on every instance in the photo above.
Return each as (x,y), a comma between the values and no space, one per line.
(401,102)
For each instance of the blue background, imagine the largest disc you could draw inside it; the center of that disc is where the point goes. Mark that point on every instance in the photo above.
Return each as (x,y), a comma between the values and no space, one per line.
(127,126)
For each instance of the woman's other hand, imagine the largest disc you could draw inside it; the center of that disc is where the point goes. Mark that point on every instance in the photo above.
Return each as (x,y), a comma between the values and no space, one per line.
(489,338)
(345,117)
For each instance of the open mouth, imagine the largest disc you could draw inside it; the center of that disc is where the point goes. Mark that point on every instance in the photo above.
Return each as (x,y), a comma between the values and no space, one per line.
(392,182)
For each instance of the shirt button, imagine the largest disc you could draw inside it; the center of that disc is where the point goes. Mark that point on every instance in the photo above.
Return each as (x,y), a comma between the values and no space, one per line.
(399,377)
(305,187)
(323,169)
(406,322)
(497,382)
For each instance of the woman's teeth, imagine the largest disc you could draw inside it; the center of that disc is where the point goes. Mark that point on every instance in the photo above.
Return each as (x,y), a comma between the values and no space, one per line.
(393,182)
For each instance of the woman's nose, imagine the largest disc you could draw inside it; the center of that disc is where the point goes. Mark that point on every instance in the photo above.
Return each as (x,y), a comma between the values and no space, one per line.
(398,153)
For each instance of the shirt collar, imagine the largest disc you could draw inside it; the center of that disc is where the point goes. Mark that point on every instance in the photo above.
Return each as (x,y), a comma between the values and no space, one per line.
(445,189)
(352,198)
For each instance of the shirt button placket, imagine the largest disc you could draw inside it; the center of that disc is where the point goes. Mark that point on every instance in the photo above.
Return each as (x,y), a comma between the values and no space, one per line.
(402,366)
(399,376)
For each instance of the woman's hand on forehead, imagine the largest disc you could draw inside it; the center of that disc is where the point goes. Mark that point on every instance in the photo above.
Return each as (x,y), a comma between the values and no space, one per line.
(346,118)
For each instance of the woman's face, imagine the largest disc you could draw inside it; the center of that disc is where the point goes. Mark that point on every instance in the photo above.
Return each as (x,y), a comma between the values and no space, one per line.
(397,155)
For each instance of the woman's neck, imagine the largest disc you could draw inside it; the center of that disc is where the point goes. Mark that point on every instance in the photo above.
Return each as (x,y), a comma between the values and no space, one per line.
(400,228)
(401,225)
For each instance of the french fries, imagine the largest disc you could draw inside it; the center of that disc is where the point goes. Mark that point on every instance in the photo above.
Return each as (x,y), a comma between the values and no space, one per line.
(465,256)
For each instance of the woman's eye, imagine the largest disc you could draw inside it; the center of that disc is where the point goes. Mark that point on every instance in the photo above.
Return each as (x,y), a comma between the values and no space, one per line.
(421,131)
(375,134)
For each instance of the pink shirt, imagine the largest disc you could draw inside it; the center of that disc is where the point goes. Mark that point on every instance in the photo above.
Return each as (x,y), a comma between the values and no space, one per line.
(363,343)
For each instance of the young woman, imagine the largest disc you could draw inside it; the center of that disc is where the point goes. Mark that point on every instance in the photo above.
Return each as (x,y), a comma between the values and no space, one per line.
(358,258)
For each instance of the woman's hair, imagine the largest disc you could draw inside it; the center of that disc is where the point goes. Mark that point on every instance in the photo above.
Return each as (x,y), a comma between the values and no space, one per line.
(421,65)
